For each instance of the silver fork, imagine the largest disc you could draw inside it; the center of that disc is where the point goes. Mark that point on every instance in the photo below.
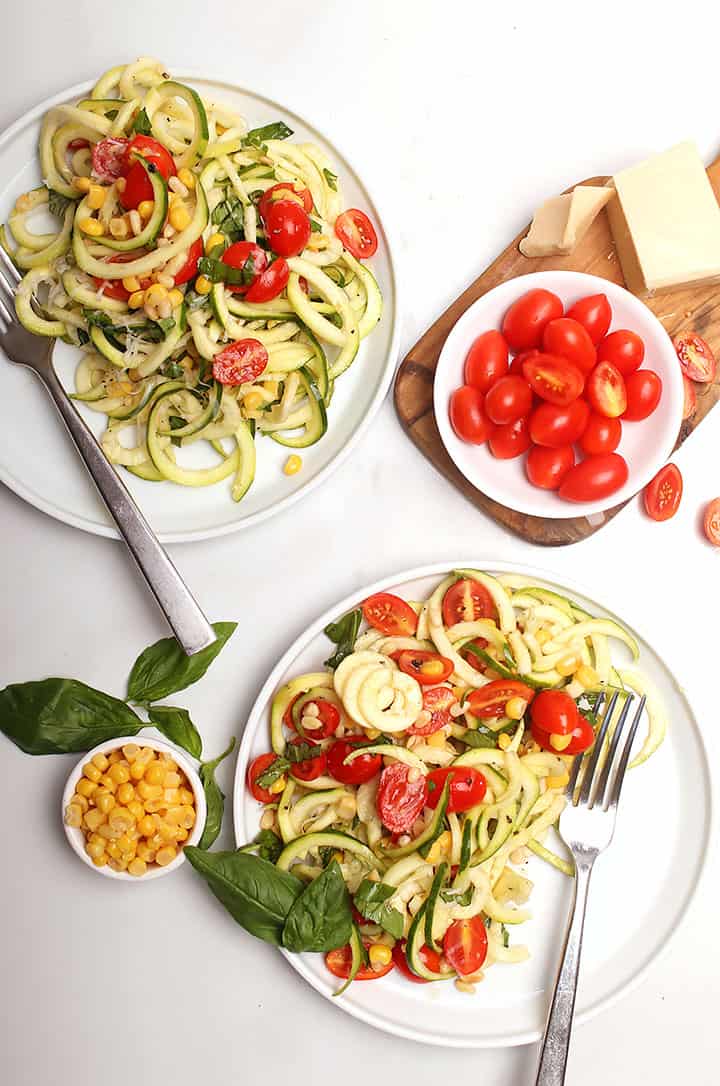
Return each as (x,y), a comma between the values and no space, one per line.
(188,623)
(587,826)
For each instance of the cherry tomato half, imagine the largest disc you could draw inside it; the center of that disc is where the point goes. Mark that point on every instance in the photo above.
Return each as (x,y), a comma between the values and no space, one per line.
(310,768)
(286,190)
(467,601)
(516,366)
(357,233)
(255,769)
(643,389)
(400,800)
(696,358)
(546,468)
(594,314)
(582,738)
(429,668)
(487,360)
(248,256)
(510,440)
(525,320)
(465,945)
(553,378)
(270,282)
(490,700)
(339,962)
(430,959)
(240,362)
(606,390)
(567,338)
(109,158)
(362,769)
(662,495)
(437,700)
(689,399)
(558,426)
(622,349)
(137,183)
(711,522)
(390,615)
(554,711)
(601,435)
(508,399)
(594,478)
(467,787)
(287,228)
(467,415)
(189,268)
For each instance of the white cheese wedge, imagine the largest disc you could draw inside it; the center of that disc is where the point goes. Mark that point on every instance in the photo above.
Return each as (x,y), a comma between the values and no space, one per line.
(561,223)
(666,222)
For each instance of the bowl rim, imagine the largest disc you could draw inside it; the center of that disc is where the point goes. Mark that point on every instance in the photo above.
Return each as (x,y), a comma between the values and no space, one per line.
(75,835)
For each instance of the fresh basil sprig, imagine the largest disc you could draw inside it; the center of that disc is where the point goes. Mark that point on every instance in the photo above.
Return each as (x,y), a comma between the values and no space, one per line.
(218,272)
(267,845)
(320,918)
(163,668)
(343,633)
(331,178)
(294,753)
(229,217)
(256,137)
(485,737)
(214,797)
(176,725)
(141,125)
(371,900)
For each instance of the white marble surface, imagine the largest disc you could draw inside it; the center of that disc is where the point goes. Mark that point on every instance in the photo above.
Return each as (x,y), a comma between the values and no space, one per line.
(462,117)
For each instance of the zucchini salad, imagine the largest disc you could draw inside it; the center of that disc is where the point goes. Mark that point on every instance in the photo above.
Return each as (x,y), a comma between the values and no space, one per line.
(428,762)
(208,271)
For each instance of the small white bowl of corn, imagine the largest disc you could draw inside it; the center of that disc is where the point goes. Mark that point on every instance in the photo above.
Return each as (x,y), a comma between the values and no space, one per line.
(131,805)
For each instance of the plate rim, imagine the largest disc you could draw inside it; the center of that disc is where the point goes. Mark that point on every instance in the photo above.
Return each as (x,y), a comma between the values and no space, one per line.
(108,531)
(435,569)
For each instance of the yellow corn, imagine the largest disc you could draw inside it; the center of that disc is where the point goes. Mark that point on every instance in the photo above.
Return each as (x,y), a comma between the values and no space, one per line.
(144,852)
(379,955)
(125,793)
(129,752)
(504,741)
(149,791)
(172,780)
(155,773)
(317,243)
(73,815)
(96,197)
(253,401)
(187,177)
(94,820)
(135,807)
(80,801)
(542,636)
(165,855)
(94,851)
(293,464)
(136,299)
(108,782)
(271,387)
(557,782)
(119,773)
(155,294)
(277,786)
(176,297)
(213,240)
(567,665)
(85,787)
(372,733)
(179,217)
(440,848)
(560,742)
(119,228)
(145,208)
(186,797)
(137,867)
(203,285)
(91,772)
(100,761)
(92,227)
(587,676)
(437,739)
(114,756)
(515,708)
(131,283)
(82,184)
(121,819)
(105,803)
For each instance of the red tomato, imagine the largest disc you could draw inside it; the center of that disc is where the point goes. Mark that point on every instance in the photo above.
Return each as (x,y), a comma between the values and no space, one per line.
(711,522)
(554,379)
(270,282)
(467,415)
(189,268)
(328,719)
(357,233)
(601,435)
(690,399)
(390,615)
(554,711)
(240,362)
(437,700)
(643,389)
(78,145)
(428,668)
(137,183)
(517,363)
(245,254)
(465,945)
(364,768)
(525,320)
(594,478)
(582,739)
(399,799)
(109,158)
(287,228)
(490,700)
(255,769)
(430,959)
(512,439)
(594,314)
(696,358)
(606,390)
(567,338)
(467,787)
(546,468)
(622,349)
(310,768)
(339,962)
(556,426)
(467,601)
(286,190)
(508,399)
(662,495)
(486,361)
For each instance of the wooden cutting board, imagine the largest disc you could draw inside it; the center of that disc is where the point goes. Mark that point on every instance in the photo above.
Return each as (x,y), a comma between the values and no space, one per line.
(694,310)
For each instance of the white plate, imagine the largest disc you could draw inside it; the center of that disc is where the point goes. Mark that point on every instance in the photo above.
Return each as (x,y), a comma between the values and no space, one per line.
(645,445)
(641,889)
(37,459)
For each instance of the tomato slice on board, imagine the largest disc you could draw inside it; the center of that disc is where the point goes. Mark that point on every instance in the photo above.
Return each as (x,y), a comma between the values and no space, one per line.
(582,738)
(400,800)
(109,158)
(553,378)
(508,399)
(287,228)
(248,256)
(594,478)
(601,435)
(525,320)
(285,190)
(490,700)
(465,945)
(137,183)
(327,719)
(357,233)
(546,468)
(438,701)
(697,360)
(467,415)
(554,711)
(270,282)
(595,315)
(711,522)
(567,338)
(240,362)
(429,668)
(255,769)
(623,349)
(606,390)
(364,768)
(662,495)
(467,601)
(467,787)
(510,440)
(556,426)
(390,615)
(339,962)
(689,399)
(309,768)
(644,391)
(430,959)
(487,360)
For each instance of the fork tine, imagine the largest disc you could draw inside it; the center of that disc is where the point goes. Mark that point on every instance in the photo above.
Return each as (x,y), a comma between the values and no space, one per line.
(591,764)
(11,274)
(604,773)
(6,317)
(577,763)
(613,788)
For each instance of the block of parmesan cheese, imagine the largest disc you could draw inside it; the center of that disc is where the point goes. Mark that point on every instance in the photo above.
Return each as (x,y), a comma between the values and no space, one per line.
(666,222)
(561,222)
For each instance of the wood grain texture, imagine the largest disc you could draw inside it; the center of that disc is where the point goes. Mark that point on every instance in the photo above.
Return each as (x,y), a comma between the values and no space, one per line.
(694,310)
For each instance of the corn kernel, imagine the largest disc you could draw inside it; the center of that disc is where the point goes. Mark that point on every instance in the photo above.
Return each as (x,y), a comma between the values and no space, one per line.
(179,217)
(149,791)
(171,795)
(186,796)
(253,401)
(557,782)
(131,283)
(372,733)
(91,772)
(203,285)
(278,786)
(188,817)
(155,773)
(213,241)
(94,850)
(181,834)
(515,708)
(92,227)
(118,865)
(165,855)
(119,773)
(80,801)
(100,861)
(155,294)
(94,819)
(587,676)
(437,739)
(135,808)
(172,780)
(292,464)
(146,208)
(96,197)
(137,771)
(440,848)
(82,184)
(567,665)
(187,177)
(126,843)
(125,793)
(85,787)
(144,852)
(145,755)
(137,867)
(176,298)
(108,833)
(504,741)
(130,752)
(73,815)
(146,825)
(107,782)
(152,806)
(114,756)
(119,228)
(379,955)
(560,742)
(105,803)
(100,761)
(120,819)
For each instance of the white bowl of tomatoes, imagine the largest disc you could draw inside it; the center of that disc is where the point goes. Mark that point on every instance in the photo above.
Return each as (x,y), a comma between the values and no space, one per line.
(558,394)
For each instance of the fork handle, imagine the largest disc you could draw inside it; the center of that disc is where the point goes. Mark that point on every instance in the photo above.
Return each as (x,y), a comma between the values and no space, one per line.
(556,1042)
(188,623)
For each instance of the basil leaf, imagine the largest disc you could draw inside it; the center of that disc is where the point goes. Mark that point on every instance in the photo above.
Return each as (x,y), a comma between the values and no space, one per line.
(193,300)
(176,725)
(141,124)
(456,897)
(214,798)
(218,272)
(331,178)
(58,204)
(505,935)
(165,324)
(163,668)
(257,895)
(273,772)
(276,131)
(371,900)
(96,316)
(486,737)
(344,633)
(315,227)
(267,845)
(62,716)
(320,918)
